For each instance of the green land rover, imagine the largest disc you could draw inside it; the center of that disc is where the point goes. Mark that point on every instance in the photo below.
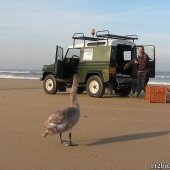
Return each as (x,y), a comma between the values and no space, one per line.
(100,61)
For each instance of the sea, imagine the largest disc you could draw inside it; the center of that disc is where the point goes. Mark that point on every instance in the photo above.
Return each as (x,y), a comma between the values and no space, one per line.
(21,74)
(161,77)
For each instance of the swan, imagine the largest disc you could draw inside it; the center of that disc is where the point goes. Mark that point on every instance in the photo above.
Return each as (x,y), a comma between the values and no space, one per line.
(64,119)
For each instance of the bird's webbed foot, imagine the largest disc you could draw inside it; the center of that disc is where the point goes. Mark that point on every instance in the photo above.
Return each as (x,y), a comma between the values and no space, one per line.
(68,144)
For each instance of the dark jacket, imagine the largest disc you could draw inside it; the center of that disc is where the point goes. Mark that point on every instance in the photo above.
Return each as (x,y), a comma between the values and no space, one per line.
(143,62)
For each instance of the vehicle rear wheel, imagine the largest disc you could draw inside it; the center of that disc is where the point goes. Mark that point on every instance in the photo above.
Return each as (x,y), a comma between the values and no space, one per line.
(123,92)
(95,87)
(50,85)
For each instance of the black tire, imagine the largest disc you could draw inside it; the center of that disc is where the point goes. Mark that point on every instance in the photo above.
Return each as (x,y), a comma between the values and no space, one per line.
(80,89)
(50,85)
(123,92)
(95,87)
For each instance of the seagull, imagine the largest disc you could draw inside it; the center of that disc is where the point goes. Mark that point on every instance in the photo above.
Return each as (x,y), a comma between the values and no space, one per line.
(65,119)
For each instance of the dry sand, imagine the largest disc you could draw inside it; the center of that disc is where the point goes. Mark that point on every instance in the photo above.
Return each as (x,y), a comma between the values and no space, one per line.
(113,133)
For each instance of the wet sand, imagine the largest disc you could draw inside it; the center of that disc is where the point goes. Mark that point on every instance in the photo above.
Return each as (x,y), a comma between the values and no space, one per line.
(113,133)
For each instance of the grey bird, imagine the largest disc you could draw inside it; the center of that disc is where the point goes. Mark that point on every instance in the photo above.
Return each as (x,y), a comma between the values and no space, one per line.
(64,119)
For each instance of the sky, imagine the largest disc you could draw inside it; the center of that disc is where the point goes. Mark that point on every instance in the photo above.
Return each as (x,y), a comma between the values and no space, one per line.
(30,30)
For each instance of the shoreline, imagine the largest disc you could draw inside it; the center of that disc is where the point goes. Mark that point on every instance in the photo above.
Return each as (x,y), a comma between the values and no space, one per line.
(149,83)
(33,78)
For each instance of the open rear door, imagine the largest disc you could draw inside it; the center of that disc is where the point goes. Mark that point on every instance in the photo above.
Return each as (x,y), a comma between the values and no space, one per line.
(150,51)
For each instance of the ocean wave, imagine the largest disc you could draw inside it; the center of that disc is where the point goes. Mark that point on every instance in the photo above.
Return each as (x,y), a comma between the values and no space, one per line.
(17,77)
(162,77)
(15,72)
(158,83)
(19,72)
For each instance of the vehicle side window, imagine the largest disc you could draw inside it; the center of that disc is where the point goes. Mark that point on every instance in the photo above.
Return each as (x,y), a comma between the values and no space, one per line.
(149,50)
(127,55)
(59,53)
(72,51)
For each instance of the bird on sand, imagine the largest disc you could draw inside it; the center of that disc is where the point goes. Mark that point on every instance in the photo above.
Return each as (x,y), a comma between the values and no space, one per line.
(65,119)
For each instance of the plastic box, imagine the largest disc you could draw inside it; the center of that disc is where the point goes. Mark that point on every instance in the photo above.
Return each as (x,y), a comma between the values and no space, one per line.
(156,94)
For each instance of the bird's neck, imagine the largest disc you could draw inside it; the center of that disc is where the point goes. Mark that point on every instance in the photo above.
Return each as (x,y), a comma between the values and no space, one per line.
(73,93)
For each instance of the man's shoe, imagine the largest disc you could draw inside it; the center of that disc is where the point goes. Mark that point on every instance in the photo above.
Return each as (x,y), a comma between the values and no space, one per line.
(135,95)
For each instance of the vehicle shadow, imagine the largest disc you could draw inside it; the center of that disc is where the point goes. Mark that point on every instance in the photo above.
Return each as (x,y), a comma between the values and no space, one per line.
(115,96)
(168,97)
(130,137)
(168,101)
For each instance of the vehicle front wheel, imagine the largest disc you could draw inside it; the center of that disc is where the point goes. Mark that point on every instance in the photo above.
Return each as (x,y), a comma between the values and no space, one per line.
(50,85)
(123,92)
(95,87)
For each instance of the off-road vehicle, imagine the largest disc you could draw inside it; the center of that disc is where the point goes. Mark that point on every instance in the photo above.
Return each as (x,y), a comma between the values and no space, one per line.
(100,62)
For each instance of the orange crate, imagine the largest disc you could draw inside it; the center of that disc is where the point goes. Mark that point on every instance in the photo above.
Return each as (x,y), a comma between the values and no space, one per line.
(156,94)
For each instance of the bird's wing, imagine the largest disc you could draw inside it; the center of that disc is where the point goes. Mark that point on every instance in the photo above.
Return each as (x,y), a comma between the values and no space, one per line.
(68,113)
(62,115)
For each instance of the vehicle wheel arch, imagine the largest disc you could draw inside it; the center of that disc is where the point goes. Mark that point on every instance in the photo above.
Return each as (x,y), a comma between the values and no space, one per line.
(89,74)
(45,74)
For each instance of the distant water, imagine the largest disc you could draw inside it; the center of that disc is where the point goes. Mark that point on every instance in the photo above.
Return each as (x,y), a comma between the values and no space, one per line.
(20,74)
(161,77)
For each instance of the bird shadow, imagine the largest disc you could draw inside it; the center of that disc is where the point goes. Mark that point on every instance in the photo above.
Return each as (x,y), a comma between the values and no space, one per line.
(66,143)
(137,136)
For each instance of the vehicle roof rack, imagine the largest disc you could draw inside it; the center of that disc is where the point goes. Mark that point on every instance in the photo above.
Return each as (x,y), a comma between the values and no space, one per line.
(113,36)
(99,37)
(80,36)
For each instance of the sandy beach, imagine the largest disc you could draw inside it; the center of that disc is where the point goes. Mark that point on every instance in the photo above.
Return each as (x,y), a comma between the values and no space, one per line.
(113,133)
